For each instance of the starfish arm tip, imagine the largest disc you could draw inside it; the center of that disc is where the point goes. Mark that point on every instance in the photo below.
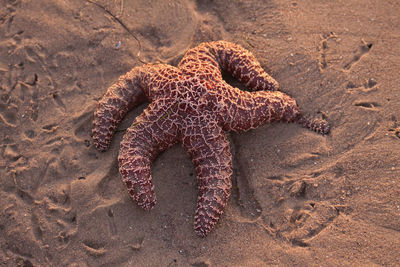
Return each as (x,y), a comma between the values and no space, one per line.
(201,227)
(149,204)
(320,126)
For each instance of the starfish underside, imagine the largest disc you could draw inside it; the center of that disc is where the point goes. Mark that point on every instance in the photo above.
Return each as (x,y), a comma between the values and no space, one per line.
(192,104)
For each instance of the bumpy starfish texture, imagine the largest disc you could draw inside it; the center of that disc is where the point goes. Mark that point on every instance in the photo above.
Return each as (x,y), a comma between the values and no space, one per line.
(192,104)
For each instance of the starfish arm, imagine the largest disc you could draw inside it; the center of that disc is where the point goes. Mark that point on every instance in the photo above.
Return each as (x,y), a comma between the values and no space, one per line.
(320,126)
(152,132)
(121,97)
(208,148)
(200,58)
(213,56)
(242,64)
(243,110)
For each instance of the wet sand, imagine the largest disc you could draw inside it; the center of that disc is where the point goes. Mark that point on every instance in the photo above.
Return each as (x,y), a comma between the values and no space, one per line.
(298,198)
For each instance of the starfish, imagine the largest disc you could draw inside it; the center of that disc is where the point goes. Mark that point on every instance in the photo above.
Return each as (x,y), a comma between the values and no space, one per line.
(193,105)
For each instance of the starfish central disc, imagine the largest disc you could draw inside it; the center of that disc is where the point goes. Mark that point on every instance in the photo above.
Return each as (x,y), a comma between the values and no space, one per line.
(193,105)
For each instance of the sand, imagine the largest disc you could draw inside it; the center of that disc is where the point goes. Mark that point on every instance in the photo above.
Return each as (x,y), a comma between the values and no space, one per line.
(299,199)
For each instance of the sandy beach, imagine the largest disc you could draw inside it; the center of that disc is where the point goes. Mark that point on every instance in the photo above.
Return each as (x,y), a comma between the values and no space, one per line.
(298,198)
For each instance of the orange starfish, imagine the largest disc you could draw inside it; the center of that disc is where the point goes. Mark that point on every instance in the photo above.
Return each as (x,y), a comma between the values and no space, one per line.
(192,104)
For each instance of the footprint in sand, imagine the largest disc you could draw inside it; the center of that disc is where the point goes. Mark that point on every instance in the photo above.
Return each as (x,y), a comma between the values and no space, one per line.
(363,50)
(8,114)
(300,208)
(330,52)
(395,129)
(324,50)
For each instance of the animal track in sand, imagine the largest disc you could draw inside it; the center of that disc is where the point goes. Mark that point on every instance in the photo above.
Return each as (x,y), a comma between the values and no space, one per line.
(8,114)
(358,54)
(367,104)
(8,17)
(94,248)
(330,53)
(395,129)
(308,221)
(300,209)
(323,49)
(368,86)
